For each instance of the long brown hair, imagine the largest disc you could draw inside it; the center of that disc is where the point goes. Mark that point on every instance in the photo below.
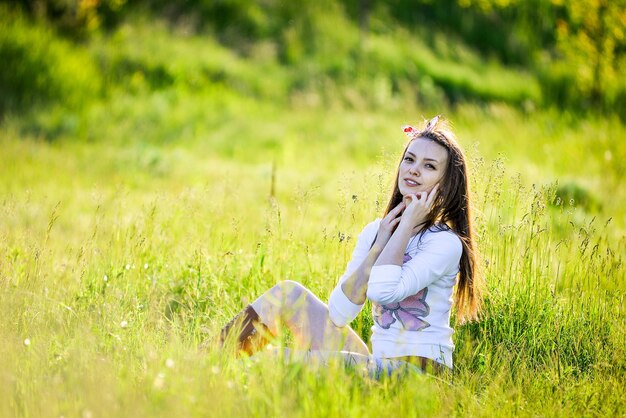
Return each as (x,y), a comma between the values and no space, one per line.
(451,209)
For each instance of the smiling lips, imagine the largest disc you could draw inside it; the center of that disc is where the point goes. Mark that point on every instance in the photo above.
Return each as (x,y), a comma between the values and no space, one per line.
(411,183)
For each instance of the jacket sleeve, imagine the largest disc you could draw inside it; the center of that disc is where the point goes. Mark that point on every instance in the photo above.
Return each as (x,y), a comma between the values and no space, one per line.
(342,311)
(439,255)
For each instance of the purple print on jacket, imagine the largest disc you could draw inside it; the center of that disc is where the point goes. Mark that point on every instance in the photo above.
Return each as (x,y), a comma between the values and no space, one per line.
(408,311)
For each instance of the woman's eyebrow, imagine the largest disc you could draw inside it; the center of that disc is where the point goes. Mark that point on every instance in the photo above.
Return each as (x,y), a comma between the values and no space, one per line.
(424,159)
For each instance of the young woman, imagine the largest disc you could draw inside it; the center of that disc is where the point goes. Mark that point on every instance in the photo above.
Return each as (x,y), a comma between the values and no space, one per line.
(407,264)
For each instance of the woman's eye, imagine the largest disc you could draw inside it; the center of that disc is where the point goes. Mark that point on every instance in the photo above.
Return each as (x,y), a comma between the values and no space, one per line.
(430,166)
(409,159)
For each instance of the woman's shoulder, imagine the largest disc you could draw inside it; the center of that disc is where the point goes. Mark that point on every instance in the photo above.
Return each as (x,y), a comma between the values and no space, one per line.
(442,234)
(371,228)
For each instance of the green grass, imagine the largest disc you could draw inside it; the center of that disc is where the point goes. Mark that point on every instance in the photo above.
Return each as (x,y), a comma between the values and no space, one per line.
(187,232)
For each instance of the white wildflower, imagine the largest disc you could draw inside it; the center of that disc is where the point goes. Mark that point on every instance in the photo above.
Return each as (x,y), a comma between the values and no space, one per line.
(169,363)
(123,324)
(27,342)
(159,381)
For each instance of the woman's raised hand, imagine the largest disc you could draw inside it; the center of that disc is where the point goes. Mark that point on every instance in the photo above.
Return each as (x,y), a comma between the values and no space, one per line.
(389,224)
(418,207)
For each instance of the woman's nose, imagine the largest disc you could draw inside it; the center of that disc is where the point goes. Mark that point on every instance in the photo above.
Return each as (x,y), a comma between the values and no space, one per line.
(414,170)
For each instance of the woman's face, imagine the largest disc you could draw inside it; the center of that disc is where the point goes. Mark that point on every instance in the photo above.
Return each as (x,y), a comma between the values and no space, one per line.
(423,166)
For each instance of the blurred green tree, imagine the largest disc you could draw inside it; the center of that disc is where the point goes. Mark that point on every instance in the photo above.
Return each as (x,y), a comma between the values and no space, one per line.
(76,17)
(591,39)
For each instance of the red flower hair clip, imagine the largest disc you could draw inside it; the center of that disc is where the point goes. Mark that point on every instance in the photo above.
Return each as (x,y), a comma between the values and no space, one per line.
(410,131)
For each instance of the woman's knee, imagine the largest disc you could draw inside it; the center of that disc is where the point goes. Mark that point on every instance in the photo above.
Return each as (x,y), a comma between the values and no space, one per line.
(290,289)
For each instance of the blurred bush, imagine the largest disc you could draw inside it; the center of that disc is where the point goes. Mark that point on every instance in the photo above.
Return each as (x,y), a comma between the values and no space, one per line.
(573,194)
(75,18)
(575,48)
(531,53)
(148,56)
(38,67)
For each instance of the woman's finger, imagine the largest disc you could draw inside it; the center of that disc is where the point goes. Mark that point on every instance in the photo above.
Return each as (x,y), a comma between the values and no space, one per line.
(419,199)
(410,198)
(432,195)
(394,212)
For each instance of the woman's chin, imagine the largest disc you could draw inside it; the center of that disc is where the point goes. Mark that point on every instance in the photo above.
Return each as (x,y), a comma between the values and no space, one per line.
(413,190)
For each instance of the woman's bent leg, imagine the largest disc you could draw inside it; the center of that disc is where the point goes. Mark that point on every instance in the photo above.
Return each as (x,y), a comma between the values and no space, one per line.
(307,317)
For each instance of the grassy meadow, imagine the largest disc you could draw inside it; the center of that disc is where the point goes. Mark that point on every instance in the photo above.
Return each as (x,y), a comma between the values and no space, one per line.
(134,225)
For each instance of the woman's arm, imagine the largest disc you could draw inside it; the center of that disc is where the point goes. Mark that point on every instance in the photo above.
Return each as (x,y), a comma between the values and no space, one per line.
(396,247)
(348,297)
(438,256)
(355,286)
(417,209)
(392,281)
